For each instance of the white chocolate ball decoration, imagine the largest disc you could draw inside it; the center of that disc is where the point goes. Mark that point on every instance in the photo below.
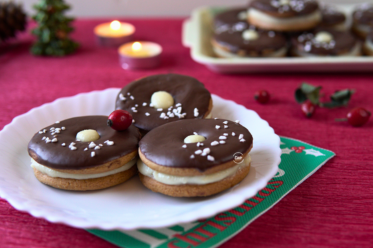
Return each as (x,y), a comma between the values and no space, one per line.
(162,99)
(250,35)
(284,2)
(87,135)
(194,138)
(323,37)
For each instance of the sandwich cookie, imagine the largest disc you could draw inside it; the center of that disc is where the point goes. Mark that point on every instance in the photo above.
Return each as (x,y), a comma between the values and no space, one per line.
(251,42)
(368,45)
(160,99)
(362,20)
(284,15)
(325,42)
(231,20)
(83,153)
(333,18)
(195,158)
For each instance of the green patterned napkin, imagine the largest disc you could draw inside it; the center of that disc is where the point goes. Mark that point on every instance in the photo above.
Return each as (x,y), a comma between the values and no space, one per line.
(299,160)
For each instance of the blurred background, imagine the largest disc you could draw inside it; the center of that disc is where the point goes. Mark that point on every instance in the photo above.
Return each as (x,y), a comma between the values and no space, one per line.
(151,8)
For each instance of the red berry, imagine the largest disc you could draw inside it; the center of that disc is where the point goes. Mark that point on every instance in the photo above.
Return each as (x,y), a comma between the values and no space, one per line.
(119,120)
(302,147)
(358,117)
(308,108)
(294,148)
(299,151)
(262,96)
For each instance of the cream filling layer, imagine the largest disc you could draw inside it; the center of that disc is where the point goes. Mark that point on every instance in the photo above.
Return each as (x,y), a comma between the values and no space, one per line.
(355,51)
(263,17)
(209,116)
(369,45)
(200,180)
(53,173)
(222,53)
(365,29)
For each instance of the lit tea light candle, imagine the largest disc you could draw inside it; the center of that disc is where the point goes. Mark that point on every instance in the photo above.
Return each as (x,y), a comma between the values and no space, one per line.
(114,33)
(140,55)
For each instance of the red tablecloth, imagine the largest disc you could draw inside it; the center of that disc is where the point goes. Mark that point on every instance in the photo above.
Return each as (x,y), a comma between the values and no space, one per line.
(333,208)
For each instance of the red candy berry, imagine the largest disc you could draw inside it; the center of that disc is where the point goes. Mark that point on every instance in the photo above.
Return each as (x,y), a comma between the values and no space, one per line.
(119,120)
(262,96)
(358,117)
(308,108)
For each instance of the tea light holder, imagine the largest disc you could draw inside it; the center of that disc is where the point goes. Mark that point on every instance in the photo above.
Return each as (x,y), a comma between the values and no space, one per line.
(139,55)
(114,34)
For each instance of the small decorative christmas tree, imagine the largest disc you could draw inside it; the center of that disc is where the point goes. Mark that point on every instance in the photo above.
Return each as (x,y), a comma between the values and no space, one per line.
(53,29)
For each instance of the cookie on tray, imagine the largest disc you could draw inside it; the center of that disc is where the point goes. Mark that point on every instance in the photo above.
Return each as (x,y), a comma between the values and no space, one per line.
(84,153)
(231,20)
(362,20)
(368,45)
(332,17)
(195,158)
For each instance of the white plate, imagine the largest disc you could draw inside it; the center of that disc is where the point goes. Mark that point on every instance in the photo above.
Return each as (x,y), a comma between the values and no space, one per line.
(197,33)
(129,205)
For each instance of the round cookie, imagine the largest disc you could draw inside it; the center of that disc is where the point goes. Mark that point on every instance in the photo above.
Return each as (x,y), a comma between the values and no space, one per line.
(101,158)
(332,18)
(284,15)
(325,42)
(251,42)
(362,20)
(231,20)
(194,158)
(160,99)
(368,45)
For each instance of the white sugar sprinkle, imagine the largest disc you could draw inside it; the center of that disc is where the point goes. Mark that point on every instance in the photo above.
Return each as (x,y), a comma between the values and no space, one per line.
(40,131)
(242,140)
(225,122)
(93,154)
(217,127)
(97,148)
(222,142)
(109,143)
(92,145)
(136,105)
(144,104)
(133,121)
(43,138)
(85,149)
(233,134)
(63,128)
(198,152)
(184,146)
(192,156)
(196,113)
(44,130)
(178,105)
(72,143)
(225,126)
(47,140)
(222,137)
(210,158)
(121,97)
(147,114)
(241,136)
(195,133)
(151,105)
(214,143)
(128,93)
(215,118)
(63,144)
(100,144)
(132,98)
(72,148)
(57,122)
(163,115)
(54,140)
(237,121)
(206,151)
(225,134)
(159,109)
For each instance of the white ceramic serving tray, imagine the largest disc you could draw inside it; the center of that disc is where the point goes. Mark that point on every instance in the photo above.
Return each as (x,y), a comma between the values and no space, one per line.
(197,33)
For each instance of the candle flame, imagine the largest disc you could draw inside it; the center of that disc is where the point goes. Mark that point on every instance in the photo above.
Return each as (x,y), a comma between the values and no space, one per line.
(136,46)
(115,25)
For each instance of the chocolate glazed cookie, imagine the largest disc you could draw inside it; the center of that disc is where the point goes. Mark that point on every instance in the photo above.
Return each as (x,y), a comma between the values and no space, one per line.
(284,15)
(164,98)
(363,20)
(325,42)
(83,153)
(368,45)
(190,158)
(231,20)
(333,18)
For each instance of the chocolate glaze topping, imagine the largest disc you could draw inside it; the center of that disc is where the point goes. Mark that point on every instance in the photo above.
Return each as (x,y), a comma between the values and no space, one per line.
(343,42)
(56,156)
(231,20)
(293,9)
(187,91)
(267,41)
(363,14)
(331,16)
(163,145)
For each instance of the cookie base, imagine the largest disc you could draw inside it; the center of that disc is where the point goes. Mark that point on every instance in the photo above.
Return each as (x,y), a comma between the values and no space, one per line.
(194,190)
(86,184)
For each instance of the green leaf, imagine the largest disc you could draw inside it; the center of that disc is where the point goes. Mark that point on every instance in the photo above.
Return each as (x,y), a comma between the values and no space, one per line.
(339,98)
(307,88)
(300,97)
